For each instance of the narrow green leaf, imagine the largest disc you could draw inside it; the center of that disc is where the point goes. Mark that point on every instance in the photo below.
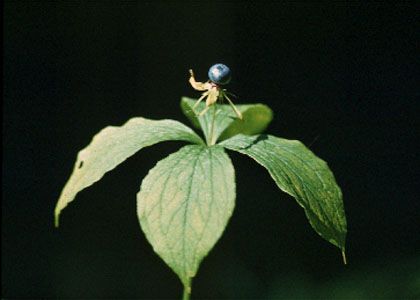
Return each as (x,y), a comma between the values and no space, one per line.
(184,205)
(298,172)
(186,107)
(256,118)
(112,145)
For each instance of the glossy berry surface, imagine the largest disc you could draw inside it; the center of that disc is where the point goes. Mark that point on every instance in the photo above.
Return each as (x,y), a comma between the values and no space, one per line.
(219,74)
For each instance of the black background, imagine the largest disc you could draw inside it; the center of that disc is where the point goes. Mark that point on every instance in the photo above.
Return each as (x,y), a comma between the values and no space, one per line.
(342,78)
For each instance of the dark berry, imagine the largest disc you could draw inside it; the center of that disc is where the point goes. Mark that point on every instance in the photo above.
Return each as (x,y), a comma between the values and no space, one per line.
(219,74)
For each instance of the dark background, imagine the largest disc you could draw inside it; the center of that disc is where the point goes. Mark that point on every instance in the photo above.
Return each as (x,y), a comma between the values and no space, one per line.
(342,78)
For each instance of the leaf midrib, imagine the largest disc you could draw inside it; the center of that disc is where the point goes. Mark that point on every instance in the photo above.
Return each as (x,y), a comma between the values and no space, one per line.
(184,225)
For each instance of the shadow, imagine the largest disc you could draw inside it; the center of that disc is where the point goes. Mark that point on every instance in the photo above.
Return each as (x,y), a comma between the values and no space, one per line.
(259,138)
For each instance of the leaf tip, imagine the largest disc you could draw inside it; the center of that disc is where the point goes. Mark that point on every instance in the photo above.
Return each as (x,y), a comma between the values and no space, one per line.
(56,219)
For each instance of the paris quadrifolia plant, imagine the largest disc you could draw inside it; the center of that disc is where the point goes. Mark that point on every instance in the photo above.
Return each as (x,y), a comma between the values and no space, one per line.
(186,200)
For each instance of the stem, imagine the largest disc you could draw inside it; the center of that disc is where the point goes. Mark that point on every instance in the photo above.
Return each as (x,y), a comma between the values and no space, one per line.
(343,253)
(187,291)
(212,139)
(186,294)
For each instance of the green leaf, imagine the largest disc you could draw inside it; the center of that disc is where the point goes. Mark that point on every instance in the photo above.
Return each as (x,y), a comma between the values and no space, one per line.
(298,172)
(184,205)
(112,145)
(256,118)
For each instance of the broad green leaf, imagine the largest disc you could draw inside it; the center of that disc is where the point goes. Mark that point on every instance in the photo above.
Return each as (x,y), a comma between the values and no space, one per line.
(298,172)
(184,205)
(113,145)
(256,118)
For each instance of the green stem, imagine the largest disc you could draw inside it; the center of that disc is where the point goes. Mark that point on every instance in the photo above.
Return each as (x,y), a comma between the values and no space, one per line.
(187,291)
(186,294)
(212,139)
(343,253)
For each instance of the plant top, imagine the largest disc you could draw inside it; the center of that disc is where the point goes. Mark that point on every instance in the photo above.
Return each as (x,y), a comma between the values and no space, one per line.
(185,201)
